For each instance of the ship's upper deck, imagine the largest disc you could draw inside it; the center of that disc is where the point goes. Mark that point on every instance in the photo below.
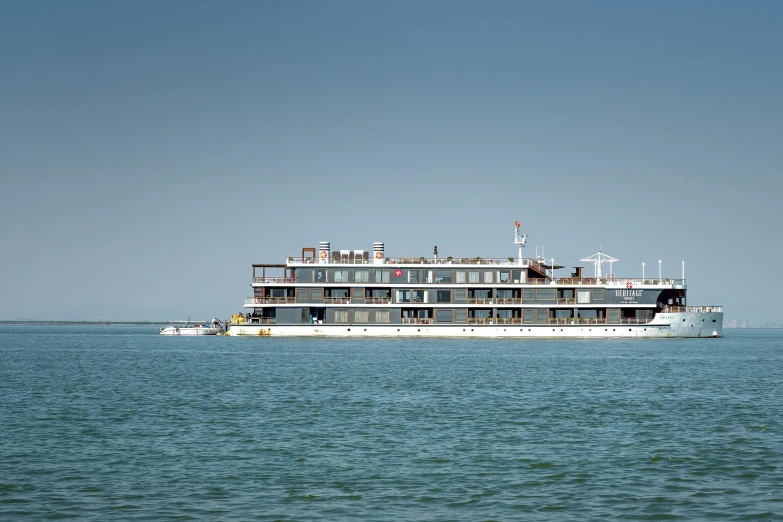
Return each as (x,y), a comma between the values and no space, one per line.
(541,273)
(338,267)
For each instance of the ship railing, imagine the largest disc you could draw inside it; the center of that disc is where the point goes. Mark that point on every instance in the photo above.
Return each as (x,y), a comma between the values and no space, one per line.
(566,300)
(269,300)
(608,281)
(480,320)
(378,300)
(496,320)
(335,260)
(337,300)
(634,281)
(590,320)
(415,320)
(697,309)
(537,266)
(508,300)
(342,260)
(480,300)
(253,320)
(274,280)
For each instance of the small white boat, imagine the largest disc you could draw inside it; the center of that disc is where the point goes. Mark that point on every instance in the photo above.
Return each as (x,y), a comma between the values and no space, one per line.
(213,328)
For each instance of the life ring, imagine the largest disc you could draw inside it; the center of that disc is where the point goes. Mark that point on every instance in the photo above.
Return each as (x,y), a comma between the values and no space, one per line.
(379,255)
(176,330)
(323,254)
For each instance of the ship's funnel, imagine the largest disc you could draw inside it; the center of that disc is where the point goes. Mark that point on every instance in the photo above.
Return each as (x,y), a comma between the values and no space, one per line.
(377,250)
(324,251)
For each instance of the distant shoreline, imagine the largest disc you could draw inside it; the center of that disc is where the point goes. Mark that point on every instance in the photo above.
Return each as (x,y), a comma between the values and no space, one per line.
(83,323)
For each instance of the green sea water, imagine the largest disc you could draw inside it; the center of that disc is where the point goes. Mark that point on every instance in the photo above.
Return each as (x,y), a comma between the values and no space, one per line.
(119,423)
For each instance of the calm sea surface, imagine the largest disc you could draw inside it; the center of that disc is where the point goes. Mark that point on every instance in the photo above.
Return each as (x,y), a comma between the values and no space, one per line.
(118,423)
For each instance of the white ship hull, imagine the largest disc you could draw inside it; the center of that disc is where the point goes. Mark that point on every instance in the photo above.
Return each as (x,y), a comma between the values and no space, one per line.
(174,330)
(676,325)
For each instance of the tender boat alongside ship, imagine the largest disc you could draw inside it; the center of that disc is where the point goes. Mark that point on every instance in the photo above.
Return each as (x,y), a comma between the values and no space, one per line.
(352,293)
(199,328)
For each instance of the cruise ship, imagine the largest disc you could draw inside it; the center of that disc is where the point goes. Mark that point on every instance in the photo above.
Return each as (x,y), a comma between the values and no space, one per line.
(353,293)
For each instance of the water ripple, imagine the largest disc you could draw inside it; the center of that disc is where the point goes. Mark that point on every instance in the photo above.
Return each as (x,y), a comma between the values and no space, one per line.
(119,423)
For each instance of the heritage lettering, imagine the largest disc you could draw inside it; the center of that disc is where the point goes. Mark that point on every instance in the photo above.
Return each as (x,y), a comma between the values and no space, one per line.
(628,293)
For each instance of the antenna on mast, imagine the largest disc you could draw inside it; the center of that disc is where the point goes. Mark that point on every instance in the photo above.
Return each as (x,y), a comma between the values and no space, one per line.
(519,239)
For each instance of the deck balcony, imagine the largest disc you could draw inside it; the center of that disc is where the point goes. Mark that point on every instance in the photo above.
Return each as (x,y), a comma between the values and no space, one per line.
(269,300)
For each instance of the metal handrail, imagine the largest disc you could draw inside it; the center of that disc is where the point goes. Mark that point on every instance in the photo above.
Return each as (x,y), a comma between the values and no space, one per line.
(416,320)
(480,320)
(254,320)
(704,309)
(378,300)
(337,300)
(610,282)
(269,300)
(341,260)
(274,280)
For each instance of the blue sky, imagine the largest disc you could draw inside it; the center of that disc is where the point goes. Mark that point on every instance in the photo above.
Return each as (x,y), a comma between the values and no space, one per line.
(151,151)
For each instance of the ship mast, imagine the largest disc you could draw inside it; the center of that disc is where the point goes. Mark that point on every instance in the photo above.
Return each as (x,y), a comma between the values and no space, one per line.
(519,240)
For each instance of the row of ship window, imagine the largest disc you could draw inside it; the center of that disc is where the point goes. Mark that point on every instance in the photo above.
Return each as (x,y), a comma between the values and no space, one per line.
(441,296)
(461,316)
(385,275)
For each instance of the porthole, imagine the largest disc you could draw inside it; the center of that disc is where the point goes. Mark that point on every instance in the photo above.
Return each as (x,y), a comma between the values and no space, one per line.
(629,329)
(463,329)
(683,320)
(504,329)
(398,329)
(561,329)
(713,320)
(645,329)
(614,329)
(365,329)
(420,329)
(471,329)
(349,329)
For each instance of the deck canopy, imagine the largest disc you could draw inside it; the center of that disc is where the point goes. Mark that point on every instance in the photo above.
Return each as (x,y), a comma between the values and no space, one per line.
(598,259)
